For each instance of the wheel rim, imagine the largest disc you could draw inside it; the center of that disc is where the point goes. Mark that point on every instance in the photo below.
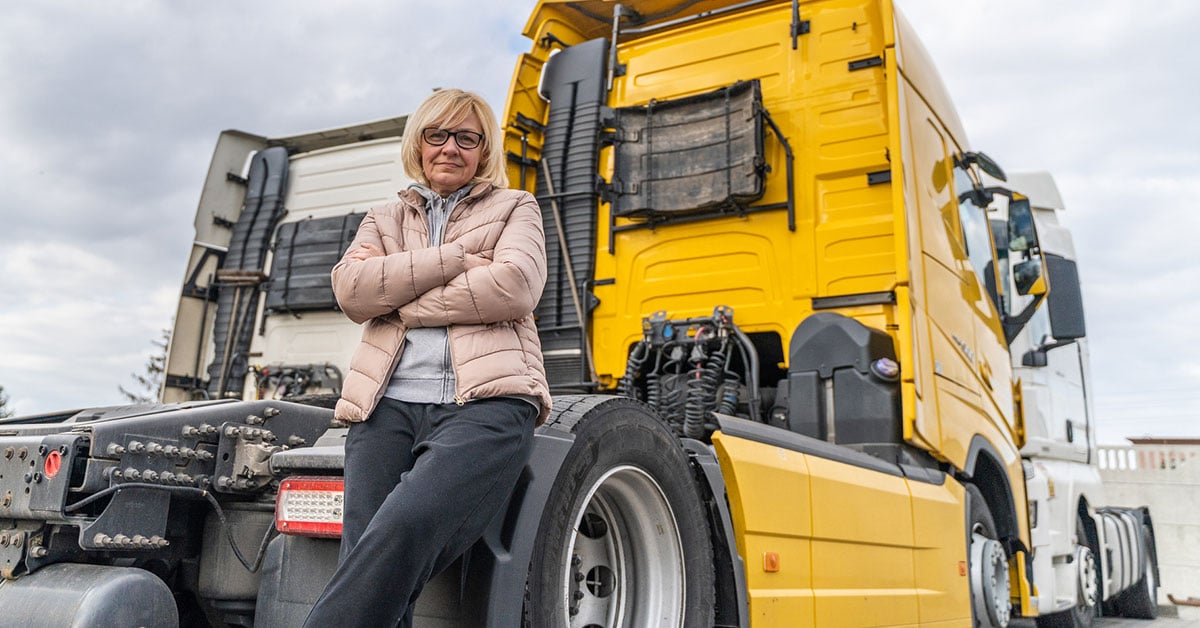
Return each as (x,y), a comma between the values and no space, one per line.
(1089,592)
(989,579)
(624,561)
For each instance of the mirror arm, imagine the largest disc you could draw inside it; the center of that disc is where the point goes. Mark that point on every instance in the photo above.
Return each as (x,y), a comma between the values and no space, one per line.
(1056,344)
(1014,324)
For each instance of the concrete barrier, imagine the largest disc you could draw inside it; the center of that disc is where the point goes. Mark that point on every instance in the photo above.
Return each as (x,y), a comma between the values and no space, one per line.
(1167,479)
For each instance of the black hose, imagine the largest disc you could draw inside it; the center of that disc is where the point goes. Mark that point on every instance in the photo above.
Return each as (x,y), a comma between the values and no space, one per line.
(196,492)
(751,383)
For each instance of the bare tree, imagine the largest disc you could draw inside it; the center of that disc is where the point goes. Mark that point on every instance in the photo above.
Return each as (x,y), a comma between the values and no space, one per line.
(5,411)
(146,385)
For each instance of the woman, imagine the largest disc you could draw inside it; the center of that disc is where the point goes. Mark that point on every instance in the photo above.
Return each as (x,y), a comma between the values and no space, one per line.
(447,384)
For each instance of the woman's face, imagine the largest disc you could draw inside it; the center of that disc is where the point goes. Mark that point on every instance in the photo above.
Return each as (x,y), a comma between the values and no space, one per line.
(450,166)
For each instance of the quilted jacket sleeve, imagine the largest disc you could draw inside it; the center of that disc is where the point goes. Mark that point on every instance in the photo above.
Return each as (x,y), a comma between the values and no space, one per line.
(507,289)
(379,285)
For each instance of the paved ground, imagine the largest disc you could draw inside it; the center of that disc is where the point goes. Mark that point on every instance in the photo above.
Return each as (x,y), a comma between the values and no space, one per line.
(1168,617)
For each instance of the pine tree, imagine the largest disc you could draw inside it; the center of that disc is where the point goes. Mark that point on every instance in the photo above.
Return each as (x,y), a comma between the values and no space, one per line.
(147,384)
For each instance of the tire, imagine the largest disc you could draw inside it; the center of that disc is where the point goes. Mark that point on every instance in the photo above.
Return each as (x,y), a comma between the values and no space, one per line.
(1141,600)
(623,540)
(988,565)
(1083,614)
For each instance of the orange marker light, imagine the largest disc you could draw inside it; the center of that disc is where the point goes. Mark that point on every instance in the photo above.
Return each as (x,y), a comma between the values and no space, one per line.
(962,567)
(771,562)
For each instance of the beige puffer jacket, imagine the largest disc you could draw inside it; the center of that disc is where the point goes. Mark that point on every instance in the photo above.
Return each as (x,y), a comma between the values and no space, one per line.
(482,284)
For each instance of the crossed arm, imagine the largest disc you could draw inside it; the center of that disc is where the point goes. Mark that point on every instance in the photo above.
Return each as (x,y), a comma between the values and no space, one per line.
(506,289)
(448,284)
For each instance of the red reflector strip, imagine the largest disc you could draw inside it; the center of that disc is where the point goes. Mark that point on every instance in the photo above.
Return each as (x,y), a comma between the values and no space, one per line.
(310,506)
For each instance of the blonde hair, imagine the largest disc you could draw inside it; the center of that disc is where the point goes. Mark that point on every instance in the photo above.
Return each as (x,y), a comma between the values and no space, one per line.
(445,109)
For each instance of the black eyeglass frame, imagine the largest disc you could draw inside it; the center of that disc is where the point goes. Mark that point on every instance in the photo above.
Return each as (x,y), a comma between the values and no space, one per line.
(473,139)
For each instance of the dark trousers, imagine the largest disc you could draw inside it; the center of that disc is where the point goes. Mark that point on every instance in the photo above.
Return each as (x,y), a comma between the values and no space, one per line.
(423,481)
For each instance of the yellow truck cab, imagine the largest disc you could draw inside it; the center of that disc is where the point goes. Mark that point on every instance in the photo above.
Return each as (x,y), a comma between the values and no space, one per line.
(769,213)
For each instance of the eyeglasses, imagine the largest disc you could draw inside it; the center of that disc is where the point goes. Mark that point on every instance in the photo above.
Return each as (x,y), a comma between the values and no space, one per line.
(464,139)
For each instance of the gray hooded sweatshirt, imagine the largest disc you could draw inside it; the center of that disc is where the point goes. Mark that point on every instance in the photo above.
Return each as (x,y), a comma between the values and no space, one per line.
(425,373)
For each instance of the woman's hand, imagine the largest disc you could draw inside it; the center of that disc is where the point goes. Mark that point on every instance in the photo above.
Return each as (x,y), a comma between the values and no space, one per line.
(366,250)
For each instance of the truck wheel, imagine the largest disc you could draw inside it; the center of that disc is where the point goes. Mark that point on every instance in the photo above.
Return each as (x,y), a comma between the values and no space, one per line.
(623,540)
(989,565)
(1141,600)
(1083,615)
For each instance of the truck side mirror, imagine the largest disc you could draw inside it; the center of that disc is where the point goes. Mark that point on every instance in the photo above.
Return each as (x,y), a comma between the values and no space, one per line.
(1066,300)
(986,164)
(1029,278)
(1022,235)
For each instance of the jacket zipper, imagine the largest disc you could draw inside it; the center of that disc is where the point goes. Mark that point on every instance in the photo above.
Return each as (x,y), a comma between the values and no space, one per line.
(458,398)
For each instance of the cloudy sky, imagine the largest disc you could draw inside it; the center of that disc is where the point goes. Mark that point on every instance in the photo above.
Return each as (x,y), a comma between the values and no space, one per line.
(109,112)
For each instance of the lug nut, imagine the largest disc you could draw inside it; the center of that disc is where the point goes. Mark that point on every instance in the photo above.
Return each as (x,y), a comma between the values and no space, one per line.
(296,441)
(154,449)
(132,474)
(136,447)
(254,420)
(232,431)
(115,450)
(38,551)
(150,476)
(207,429)
(170,451)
